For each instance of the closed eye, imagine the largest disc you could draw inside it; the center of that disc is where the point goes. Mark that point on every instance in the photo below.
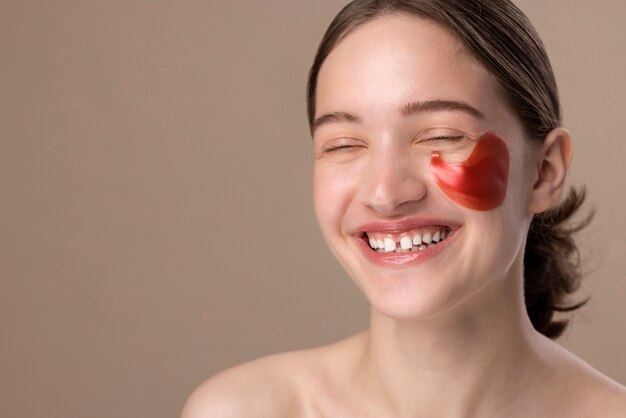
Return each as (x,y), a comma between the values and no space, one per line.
(455,138)
(341,147)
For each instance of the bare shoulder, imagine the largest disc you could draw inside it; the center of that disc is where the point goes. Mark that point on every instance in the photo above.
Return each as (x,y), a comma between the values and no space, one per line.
(603,397)
(274,386)
(588,392)
(259,388)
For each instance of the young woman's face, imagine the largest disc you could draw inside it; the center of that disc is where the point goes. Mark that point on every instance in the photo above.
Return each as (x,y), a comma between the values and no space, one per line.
(392,93)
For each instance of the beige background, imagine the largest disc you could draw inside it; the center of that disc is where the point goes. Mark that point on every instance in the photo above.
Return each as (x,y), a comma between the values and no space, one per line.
(156,220)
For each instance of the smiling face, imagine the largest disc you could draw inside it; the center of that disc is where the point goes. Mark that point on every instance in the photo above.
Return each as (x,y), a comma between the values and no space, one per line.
(393,92)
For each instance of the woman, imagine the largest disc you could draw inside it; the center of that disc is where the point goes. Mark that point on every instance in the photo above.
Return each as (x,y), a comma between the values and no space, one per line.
(440,164)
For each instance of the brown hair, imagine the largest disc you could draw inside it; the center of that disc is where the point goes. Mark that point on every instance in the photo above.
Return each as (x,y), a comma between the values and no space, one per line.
(501,38)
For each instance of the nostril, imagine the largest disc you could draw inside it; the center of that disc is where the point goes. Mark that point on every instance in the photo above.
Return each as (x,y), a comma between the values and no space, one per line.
(391,183)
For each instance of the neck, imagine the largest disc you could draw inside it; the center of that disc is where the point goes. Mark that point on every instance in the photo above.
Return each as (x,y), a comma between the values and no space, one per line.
(469,361)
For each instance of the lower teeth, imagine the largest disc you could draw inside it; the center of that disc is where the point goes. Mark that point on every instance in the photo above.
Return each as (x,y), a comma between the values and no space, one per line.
(414,248)
(400,250)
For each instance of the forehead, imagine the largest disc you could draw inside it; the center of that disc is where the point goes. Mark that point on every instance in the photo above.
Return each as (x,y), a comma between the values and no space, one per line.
(400,58)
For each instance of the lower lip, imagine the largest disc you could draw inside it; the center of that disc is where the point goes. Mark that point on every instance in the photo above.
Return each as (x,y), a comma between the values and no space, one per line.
(404,258)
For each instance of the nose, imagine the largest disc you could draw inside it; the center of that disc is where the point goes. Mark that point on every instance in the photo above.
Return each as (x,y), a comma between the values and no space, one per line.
(393,183)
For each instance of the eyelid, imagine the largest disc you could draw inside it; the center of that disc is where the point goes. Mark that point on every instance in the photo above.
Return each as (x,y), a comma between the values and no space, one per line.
(338,147)
(339,143)
(453,138)
(441,134)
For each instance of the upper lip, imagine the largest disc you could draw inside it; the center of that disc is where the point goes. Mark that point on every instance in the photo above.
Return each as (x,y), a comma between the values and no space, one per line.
(402,225)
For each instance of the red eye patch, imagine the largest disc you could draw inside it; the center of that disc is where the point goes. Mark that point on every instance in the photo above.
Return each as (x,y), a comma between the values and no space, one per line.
(479,182)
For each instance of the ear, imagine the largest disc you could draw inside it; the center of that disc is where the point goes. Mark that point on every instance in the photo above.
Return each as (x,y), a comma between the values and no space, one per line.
(553,162)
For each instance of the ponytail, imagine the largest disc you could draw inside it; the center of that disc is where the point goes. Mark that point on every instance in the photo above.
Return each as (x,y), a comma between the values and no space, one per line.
(552,265)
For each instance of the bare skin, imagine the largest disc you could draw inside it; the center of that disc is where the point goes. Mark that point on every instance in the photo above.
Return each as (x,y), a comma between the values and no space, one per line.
(449,337)
(323,382)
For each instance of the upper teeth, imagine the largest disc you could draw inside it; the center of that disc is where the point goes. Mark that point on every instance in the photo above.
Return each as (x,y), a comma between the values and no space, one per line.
(411,240)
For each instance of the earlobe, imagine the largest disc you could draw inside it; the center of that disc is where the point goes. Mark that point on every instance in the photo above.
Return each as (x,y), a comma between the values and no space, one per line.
(553,162)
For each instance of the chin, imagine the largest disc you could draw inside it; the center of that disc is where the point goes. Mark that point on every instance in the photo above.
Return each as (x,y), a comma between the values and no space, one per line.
(415,300)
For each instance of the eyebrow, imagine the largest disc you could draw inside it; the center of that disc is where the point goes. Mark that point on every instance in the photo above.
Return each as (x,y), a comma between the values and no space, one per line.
(406,110)
(440,105)
(334,117)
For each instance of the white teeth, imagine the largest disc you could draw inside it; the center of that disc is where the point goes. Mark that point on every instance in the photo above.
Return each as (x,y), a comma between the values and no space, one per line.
(417,240)
(406,243)
(390,245)
(417,243)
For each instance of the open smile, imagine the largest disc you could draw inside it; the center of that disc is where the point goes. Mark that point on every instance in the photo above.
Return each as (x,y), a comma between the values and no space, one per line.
(415,240)
(390,246)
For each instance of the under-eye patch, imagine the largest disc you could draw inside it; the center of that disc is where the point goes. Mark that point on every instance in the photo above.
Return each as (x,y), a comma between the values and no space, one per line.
(480,181)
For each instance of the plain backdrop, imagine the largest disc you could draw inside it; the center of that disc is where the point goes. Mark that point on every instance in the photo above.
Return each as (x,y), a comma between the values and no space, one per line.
(156,220)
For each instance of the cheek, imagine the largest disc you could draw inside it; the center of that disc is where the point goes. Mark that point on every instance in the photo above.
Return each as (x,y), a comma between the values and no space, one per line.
(330,193)
(481,181)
